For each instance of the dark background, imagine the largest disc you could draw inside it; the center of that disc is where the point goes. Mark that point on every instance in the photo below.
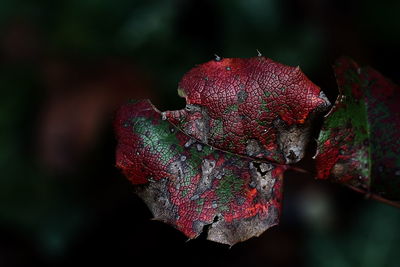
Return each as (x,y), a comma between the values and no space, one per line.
(65,66)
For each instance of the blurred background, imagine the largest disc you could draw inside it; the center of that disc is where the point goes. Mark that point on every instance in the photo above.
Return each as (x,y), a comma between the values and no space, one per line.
(66,66)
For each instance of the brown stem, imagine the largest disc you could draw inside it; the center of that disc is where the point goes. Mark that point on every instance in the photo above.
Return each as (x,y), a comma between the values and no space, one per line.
(366,193)
(297,169)
(376,197)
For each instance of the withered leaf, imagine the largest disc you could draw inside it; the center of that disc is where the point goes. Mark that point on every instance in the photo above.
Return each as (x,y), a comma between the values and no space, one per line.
(189,185)
(220,161)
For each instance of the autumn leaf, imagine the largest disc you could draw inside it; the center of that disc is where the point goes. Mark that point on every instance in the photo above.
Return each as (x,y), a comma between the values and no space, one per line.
(189,185)
(359,143)
(253,107)
(220,161)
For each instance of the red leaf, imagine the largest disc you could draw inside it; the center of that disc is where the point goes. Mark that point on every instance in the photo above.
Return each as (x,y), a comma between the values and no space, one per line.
(359,144)
(254,112)
(254,107)
(189,185)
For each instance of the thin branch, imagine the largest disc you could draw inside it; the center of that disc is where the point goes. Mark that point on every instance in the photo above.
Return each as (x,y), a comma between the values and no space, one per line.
(297,169)
(376,197)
